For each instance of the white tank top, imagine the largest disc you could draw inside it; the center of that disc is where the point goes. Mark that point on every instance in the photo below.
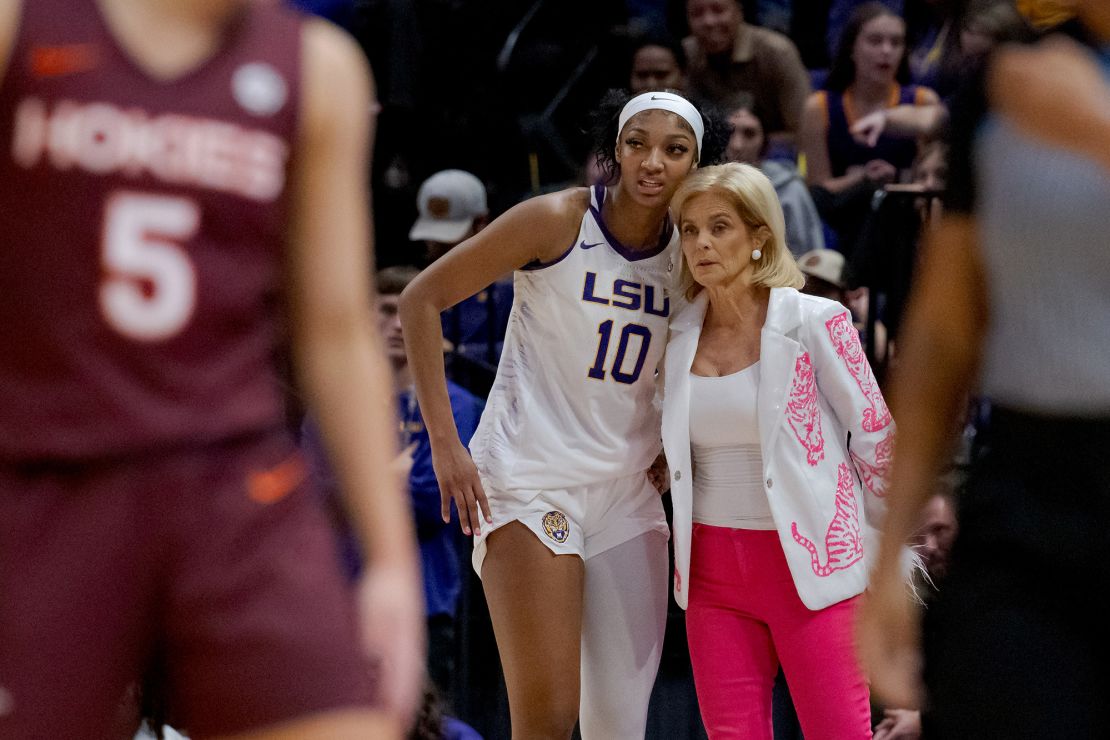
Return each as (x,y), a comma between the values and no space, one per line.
(724,443)
(573,402)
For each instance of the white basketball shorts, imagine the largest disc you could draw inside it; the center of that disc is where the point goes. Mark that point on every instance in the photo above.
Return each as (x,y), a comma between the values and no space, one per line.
(582,520)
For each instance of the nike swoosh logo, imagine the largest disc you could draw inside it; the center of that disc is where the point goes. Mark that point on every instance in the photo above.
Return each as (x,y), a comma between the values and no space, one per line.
(269,486)
(584,245)
(56,61)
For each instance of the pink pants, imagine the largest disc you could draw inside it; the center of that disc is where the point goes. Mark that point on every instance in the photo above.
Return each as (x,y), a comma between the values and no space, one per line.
(744,617)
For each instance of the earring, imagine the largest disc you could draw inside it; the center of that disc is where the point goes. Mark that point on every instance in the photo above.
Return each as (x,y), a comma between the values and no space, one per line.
(756,254)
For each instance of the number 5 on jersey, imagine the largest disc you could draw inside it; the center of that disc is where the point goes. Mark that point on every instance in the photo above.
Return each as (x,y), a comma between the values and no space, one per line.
(148,290)
(617,369)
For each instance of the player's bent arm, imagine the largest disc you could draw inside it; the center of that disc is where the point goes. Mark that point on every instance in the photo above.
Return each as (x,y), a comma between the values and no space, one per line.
(338,352)
(541,228)
(9,26)
(939,353)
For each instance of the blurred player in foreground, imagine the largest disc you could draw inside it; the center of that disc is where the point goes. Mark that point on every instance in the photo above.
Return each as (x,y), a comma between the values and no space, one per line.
(176,176)
(1012,300)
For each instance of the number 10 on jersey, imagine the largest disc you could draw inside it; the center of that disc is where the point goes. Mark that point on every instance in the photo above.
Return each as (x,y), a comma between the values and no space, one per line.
(617,368)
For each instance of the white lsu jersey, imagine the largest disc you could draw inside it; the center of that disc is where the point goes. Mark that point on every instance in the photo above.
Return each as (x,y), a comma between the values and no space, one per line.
(574,398)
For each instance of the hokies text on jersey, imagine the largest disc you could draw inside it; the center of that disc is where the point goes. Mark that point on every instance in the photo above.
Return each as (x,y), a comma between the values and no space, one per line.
(104,139)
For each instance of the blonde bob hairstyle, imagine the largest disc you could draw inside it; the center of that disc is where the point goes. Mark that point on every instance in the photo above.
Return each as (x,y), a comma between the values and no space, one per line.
(756,203)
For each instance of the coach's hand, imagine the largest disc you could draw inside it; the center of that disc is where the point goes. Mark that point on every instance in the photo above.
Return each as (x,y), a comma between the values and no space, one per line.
(458,480)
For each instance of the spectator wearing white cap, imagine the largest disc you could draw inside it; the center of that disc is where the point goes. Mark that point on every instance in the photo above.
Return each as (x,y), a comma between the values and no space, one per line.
(823,269)
(824,272)
(452,205)
(453,208)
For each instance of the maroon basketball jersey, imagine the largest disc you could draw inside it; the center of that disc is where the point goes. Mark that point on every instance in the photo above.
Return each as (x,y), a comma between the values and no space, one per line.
(141,232)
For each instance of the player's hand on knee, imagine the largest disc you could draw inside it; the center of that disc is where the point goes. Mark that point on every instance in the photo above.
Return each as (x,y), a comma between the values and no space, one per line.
(459,482)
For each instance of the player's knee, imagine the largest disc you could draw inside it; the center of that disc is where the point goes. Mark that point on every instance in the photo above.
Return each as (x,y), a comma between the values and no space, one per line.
(550,711)
(612,720)
(543,728)
(613,729)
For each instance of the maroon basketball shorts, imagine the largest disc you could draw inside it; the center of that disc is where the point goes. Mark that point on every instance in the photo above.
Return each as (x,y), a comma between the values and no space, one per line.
(217,560)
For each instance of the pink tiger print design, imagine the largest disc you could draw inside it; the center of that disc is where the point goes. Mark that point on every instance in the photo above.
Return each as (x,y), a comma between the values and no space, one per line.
(874,476)
(803,412)
(843,540)
(845,339)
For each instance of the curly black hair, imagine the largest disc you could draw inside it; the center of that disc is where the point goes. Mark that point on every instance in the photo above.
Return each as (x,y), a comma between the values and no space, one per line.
(603,128)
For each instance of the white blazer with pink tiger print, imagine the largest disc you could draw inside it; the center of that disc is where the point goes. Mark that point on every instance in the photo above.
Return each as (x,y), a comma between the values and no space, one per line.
(815,387)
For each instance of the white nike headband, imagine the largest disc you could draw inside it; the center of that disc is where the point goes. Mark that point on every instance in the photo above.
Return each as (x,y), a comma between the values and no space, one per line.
(663,101)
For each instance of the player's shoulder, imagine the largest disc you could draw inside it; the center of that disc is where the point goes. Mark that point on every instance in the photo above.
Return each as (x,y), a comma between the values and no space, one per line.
(331,43)
(338,89)
(570,203)
(556,212)
(332,53)
(543,225)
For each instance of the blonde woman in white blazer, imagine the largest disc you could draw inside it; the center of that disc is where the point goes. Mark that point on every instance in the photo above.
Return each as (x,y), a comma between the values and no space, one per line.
(778,441)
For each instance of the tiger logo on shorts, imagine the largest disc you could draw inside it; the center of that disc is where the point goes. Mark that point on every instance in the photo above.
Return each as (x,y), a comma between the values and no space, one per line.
(556,526)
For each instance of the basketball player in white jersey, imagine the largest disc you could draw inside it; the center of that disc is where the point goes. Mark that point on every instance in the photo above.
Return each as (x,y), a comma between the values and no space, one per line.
(570,536)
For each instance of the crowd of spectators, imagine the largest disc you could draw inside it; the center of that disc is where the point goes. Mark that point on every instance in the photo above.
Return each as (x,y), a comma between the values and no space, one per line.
(831,123)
